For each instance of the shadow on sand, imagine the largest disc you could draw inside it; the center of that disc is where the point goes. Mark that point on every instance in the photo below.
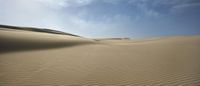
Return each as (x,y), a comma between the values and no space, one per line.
(17,46)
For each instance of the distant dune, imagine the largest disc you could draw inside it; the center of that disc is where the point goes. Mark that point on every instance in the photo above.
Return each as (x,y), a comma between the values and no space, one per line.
(32,56)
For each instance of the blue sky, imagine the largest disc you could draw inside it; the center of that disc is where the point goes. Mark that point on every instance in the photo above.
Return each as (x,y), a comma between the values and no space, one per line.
(106,18)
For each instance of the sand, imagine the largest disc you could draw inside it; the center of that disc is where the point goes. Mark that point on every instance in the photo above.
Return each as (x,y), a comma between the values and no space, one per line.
(36,58)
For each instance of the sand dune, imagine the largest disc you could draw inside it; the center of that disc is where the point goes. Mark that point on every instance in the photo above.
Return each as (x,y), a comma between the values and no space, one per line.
(20,40)
(37,58)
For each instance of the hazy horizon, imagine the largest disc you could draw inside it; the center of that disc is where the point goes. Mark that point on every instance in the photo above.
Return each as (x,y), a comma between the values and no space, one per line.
(106,18)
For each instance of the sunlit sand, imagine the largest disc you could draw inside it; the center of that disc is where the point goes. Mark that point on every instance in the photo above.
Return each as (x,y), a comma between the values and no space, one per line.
(37,58)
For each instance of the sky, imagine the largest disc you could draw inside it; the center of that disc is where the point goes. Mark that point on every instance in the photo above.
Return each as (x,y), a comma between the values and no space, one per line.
(106,18)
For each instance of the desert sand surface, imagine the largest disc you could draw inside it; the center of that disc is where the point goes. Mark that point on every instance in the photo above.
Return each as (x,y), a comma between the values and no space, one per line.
(37,59)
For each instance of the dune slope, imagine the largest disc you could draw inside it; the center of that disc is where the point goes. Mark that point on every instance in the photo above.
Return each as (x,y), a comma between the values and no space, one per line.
(22,40)
(48,59)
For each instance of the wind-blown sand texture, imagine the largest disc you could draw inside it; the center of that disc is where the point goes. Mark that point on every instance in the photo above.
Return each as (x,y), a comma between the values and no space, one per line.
(37,58)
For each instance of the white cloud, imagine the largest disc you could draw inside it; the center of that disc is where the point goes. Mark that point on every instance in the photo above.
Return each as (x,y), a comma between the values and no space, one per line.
(28,13)
(65,3)
(55,14)
(51,14)
(53,3)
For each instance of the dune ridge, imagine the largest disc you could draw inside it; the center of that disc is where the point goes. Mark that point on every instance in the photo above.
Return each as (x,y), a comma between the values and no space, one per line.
(44,30)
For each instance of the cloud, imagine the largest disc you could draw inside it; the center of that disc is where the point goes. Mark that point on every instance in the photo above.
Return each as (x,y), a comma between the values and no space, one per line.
(146,10)
(154,8)
(186,5)
(58,4)
(54,14)
(29,13)
(65,3)
(81,16)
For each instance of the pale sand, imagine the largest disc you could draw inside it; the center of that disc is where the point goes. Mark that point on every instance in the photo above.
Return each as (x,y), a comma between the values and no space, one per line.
(49,59)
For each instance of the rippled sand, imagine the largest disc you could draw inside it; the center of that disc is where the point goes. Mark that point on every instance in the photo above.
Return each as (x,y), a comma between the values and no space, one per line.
(33,58)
